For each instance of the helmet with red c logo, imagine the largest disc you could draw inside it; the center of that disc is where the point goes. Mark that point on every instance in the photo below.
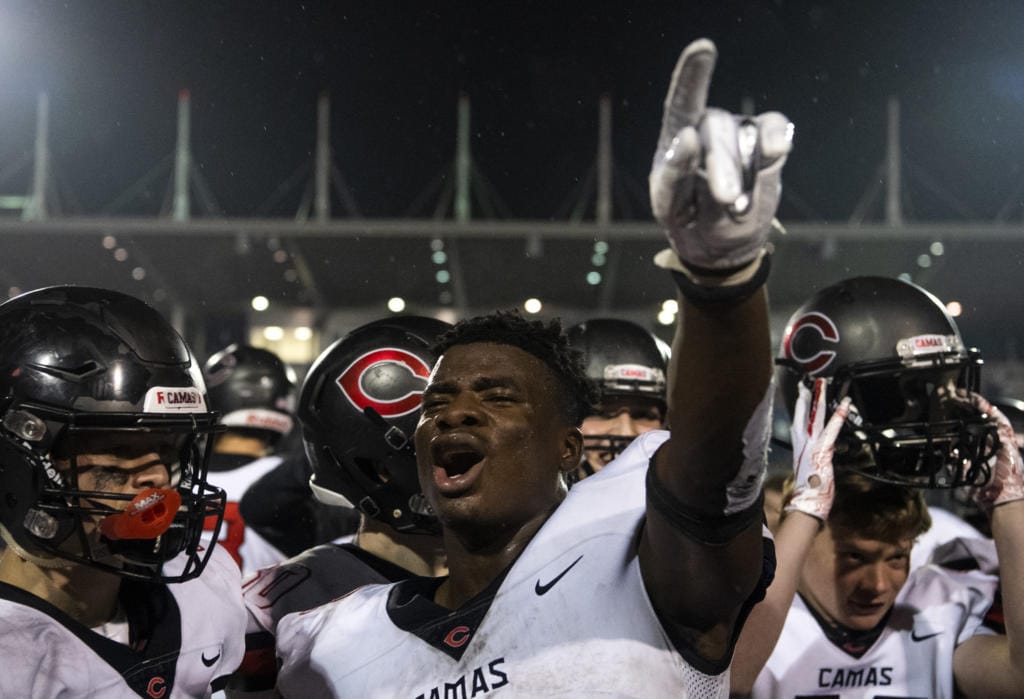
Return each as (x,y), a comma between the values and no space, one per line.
(893,348)
(358,408)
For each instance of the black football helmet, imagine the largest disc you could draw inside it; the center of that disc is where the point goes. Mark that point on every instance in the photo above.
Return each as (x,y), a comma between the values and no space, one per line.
(893,348)
(82,366)
(623,360)
(358,409)
(252,389)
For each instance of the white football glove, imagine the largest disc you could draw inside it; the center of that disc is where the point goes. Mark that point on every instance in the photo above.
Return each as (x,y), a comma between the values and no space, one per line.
(813,446)
(1007,481)
(716,178)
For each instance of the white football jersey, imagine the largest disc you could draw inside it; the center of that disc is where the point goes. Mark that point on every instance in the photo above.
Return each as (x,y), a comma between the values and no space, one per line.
(946,526)
(197,634)
(570,618)
(312,578)
(936,610)
(250,550)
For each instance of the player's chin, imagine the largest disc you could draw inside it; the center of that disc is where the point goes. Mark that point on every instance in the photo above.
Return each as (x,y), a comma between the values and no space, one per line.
(454,512)
(862,617)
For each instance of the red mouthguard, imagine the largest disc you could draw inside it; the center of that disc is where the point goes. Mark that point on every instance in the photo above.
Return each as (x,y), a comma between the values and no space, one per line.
(147,516)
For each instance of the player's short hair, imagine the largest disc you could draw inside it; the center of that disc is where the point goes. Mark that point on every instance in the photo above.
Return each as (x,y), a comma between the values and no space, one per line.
(875,510)
(545,341)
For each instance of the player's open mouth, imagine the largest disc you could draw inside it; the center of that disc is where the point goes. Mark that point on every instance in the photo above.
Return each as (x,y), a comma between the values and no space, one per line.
(455,458)
(865,608)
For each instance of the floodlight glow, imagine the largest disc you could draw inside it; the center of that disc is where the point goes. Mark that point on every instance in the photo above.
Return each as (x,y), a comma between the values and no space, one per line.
(670,306)
(302,333)
(666,318)
(396,304)
(593,278)
(954,308)
(937,248)
(260,303)
(532,305)
(273,333)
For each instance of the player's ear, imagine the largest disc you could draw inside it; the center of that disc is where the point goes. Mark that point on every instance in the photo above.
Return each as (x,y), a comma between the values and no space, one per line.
(572,449)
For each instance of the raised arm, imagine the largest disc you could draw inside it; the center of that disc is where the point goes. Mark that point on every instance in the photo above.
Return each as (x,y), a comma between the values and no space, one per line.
(805,512)
(715,185)
(993,666)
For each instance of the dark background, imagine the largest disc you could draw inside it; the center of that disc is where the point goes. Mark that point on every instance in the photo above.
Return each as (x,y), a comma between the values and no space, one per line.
(534,72)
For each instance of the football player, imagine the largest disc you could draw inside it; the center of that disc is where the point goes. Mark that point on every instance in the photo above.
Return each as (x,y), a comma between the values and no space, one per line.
(104,427)
(635,582)
(885,405)
(626,364)
(358,408)
(253,390)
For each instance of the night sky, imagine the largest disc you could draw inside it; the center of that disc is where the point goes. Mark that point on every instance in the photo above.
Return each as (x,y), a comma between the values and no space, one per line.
(534,72)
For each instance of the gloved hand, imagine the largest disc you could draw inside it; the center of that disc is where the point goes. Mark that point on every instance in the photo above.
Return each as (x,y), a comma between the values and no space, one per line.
(813,447)
(716,178)
(1007,481)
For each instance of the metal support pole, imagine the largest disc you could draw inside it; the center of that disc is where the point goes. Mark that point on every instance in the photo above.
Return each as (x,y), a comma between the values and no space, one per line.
(893,209)
(182,159)
(604,161)
(323,159)
(463,163)
(37,207)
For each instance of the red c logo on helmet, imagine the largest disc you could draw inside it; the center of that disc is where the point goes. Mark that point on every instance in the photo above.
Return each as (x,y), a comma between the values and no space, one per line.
(817,323)
(389,380)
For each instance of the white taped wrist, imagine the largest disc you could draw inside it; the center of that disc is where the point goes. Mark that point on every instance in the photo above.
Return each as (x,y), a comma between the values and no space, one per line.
(668,259)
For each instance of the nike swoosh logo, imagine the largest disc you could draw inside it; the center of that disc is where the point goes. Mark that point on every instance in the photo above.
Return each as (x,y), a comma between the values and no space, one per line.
(541,589)
(915,637)
(208,662)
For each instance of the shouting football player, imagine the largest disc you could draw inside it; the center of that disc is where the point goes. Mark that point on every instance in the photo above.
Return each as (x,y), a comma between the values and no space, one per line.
(636,581)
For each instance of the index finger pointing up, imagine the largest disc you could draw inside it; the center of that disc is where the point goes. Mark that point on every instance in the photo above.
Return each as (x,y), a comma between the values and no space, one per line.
(688,93)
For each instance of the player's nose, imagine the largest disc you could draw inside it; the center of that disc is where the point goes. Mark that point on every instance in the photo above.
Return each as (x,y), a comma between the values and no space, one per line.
(624,424)
(876,580)
(461,410)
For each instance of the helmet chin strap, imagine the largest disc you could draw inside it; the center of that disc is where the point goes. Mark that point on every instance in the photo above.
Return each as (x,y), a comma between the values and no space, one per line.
(38,559)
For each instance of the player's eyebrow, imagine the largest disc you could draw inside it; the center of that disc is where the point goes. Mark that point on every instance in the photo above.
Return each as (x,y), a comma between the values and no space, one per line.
(481,384)
(82,468)
(487,382)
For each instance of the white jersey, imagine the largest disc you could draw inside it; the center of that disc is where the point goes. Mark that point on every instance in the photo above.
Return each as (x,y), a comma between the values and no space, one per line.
(250,550)
(570,618)
(314,577)
(196,635)
(936,610)
(946,526)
